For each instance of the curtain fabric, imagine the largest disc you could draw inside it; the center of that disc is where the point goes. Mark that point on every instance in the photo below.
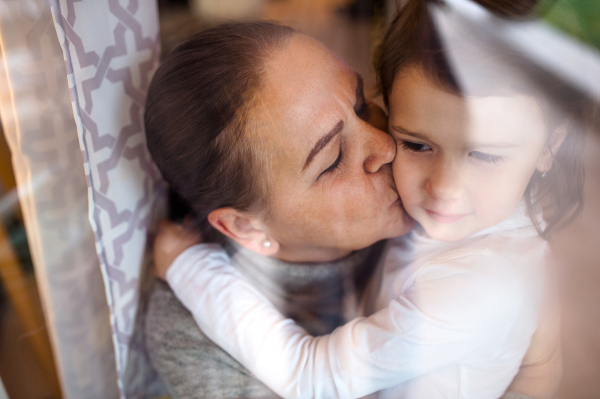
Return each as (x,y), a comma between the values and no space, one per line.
(37,116)
(88,188)
(111,49)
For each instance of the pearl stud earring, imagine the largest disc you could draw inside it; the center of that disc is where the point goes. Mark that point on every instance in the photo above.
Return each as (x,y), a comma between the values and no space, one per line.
(266,243)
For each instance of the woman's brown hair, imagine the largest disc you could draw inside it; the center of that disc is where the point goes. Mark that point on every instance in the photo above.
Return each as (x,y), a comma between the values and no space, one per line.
(412,39)
(196,112)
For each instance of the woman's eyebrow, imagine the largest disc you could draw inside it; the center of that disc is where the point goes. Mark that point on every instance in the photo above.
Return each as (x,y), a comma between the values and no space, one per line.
(323,141)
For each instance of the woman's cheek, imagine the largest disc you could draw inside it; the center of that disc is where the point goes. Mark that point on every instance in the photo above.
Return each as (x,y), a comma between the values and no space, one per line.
(353,202)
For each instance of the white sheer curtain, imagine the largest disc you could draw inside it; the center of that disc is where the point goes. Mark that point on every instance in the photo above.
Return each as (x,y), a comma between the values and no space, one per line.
(36,112)
(87,185)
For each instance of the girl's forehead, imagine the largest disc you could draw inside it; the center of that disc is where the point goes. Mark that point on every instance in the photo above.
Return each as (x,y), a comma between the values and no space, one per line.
(510,119)
(420,105)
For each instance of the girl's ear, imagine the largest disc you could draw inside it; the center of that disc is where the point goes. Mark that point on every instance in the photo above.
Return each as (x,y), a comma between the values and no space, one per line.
(554,142)
(244,229)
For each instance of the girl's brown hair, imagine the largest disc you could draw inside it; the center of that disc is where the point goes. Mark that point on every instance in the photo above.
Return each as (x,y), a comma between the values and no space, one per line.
(412,39)
(196,112)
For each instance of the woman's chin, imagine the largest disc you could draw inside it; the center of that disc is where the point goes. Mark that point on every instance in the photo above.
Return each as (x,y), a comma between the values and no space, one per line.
(406,223)
(403,224)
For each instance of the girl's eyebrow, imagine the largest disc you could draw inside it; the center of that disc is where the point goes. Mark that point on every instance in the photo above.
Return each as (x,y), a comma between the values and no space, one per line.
(493,145)
(420,136)
(407,132)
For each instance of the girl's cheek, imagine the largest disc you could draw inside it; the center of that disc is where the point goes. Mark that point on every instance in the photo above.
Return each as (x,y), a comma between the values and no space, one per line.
(398,164)
(406,187)
(406,169)
(399,175)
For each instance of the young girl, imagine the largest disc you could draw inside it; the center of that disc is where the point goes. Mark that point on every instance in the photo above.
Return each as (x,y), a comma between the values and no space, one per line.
(459,297)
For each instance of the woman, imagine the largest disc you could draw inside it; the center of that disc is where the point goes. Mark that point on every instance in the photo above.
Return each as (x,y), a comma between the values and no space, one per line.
(259,169)
(263,132)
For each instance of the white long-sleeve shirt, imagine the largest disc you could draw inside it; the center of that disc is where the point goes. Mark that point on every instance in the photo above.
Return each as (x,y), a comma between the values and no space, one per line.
(452,319)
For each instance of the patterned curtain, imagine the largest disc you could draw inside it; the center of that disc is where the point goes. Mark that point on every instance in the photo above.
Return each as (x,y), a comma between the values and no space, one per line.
(111,50)
(88,187)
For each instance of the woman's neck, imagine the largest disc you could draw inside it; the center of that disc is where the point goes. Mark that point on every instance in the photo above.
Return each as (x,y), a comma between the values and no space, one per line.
(311,254)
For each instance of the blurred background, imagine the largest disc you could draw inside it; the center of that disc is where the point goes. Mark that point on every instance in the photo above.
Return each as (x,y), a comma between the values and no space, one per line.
(350,28)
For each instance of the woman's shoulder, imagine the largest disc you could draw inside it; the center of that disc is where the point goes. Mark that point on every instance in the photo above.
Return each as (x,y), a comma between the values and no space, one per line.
(189,363)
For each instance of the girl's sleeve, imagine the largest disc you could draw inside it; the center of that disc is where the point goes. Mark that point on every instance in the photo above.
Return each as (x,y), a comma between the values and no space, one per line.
(439,318)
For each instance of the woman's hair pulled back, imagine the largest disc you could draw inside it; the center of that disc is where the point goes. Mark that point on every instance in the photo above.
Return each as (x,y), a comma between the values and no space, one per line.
(196,114)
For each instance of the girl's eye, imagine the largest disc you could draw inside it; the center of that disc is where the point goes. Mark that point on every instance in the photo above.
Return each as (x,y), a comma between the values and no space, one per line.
(333,166)
(415,147)
(488,158)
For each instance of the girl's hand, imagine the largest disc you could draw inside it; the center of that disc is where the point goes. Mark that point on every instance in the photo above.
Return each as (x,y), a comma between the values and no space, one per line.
(171,240)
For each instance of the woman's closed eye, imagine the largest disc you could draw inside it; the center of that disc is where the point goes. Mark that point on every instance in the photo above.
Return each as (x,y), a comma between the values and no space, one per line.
(333,166)
(487,158)
(415,147)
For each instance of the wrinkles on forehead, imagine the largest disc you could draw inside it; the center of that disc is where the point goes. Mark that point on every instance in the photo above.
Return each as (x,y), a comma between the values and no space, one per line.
(300,100)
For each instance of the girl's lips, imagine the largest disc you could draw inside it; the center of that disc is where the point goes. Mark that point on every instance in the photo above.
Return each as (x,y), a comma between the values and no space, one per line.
(444,218)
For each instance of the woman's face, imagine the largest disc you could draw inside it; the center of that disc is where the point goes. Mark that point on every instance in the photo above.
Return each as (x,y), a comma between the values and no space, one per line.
(331,186)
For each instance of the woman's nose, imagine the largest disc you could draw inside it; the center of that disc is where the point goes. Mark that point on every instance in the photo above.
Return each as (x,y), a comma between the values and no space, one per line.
(381,150)
(445,182)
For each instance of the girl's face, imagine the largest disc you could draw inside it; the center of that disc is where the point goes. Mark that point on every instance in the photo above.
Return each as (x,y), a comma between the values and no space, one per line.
(462,164)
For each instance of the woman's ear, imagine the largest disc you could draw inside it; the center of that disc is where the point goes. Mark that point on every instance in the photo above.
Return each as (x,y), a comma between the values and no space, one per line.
(554,142)
(244,229)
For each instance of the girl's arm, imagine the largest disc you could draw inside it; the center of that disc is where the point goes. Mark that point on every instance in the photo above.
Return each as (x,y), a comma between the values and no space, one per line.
(442,318)
(541,370)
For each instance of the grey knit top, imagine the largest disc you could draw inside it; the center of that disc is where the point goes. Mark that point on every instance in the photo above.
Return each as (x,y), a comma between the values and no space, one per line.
(318,296)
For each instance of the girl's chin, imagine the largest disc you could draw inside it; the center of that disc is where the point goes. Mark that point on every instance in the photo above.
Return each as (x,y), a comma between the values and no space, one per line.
(444,231)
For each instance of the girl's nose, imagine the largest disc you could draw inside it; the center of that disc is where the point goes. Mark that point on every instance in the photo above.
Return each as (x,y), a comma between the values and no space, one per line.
(381,150)
(445,182)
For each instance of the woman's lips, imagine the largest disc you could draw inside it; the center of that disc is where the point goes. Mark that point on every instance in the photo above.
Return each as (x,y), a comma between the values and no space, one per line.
(444,217)
(409,222)
(398,203)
